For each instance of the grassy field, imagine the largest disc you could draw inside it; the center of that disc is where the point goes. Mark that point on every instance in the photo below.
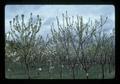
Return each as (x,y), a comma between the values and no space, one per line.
(94,73)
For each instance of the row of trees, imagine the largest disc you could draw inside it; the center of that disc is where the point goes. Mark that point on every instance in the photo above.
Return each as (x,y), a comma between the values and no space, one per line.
(72,44)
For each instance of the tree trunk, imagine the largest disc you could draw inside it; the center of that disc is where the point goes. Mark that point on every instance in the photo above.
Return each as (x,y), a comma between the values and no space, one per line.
(49,74)
(77,71)
(109,68)
(28,71)
(73,72)
(103,75)
(61,72)
(87,74)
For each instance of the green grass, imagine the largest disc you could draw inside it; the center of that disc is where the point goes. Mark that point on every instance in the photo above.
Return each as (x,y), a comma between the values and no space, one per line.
(94,73)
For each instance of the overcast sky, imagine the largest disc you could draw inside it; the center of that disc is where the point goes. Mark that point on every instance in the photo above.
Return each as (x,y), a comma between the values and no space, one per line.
(48,13)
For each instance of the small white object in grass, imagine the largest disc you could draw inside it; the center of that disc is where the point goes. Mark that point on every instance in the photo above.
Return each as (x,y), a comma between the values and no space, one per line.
(86,74)
(9,70)
(40,69)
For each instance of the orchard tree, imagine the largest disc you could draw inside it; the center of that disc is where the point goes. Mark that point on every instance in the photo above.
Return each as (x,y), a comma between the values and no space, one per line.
(25,34)
(79,36)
